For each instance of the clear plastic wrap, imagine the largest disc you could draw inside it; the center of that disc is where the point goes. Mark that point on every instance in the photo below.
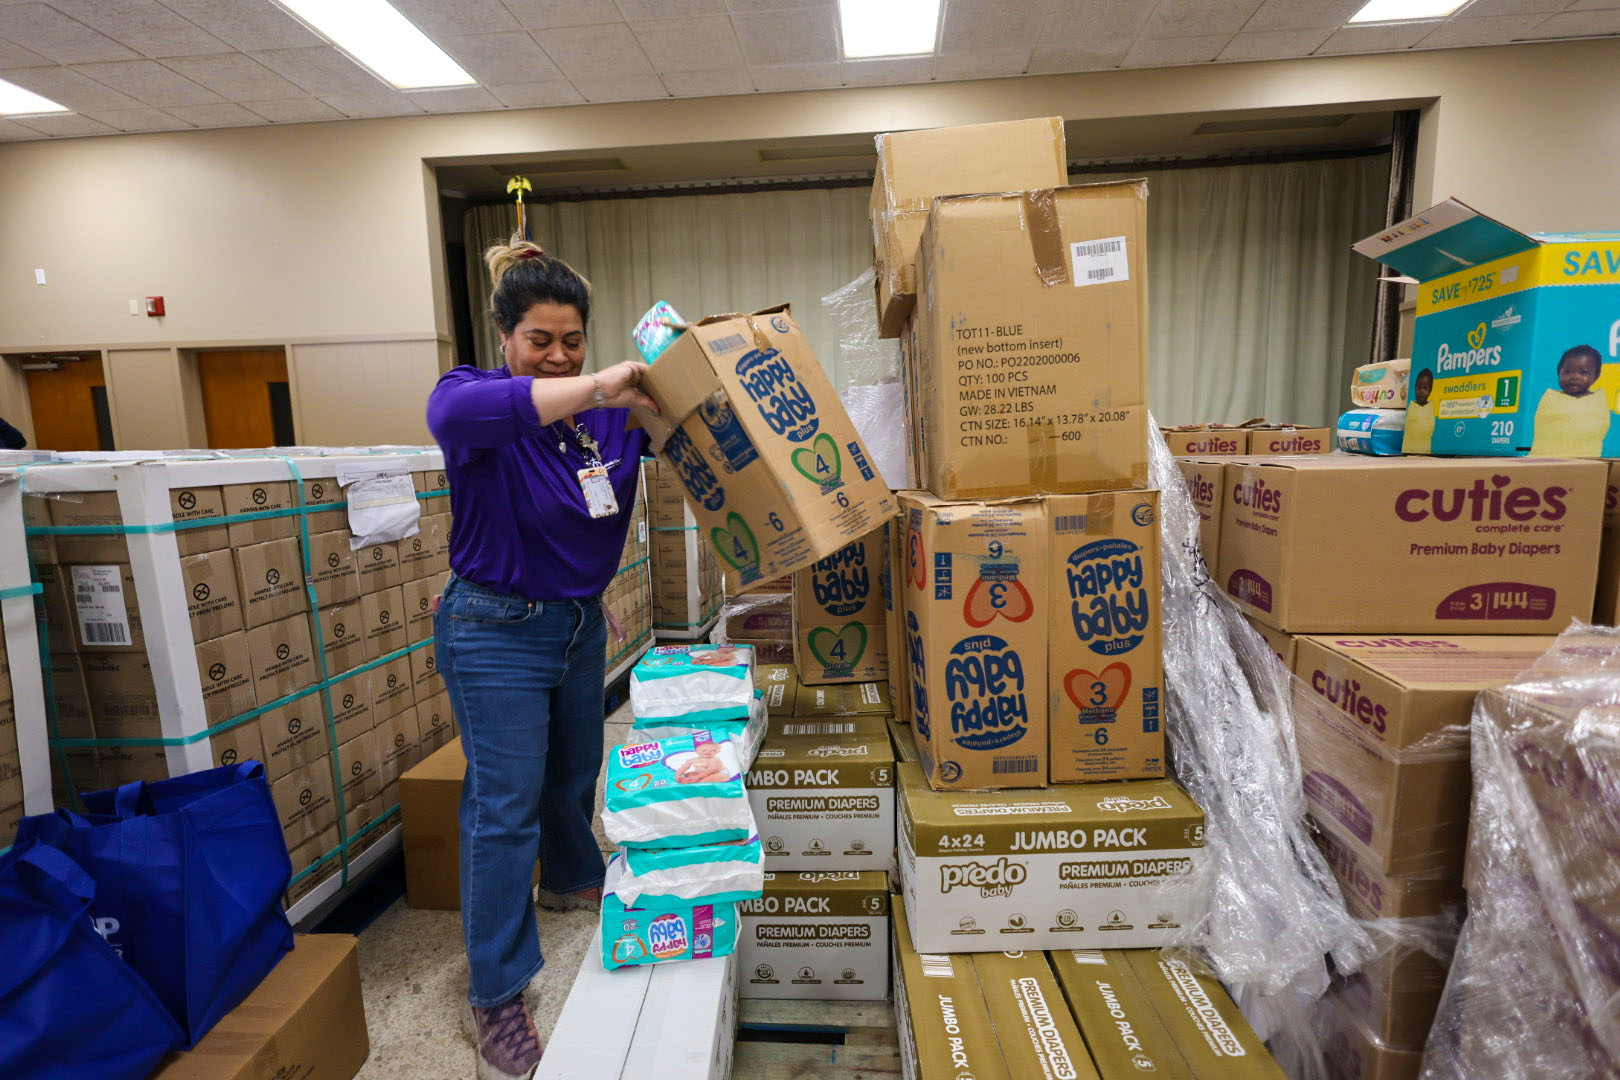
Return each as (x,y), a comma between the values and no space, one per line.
(871,390)
(763,619)
(1534,991)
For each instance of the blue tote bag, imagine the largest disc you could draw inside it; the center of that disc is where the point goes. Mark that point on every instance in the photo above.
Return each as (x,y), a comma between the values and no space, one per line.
(189,875)
(70,1009)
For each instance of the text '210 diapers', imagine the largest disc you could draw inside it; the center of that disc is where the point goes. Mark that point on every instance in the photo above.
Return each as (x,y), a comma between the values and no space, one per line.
(676,792)
(707,873)
(694,683)
(746,735)
(669,930)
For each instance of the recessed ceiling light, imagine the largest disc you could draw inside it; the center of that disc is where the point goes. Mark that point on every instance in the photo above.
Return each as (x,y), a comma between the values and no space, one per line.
(1376,11)
(15,101)
(376,35)
(888,27)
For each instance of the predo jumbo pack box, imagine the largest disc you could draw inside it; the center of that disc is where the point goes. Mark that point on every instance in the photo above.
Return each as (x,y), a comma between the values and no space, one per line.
(824,802)
(1516,337)
(1336,544)
(771,463)
(838,616)
(818,935)
(1099,865)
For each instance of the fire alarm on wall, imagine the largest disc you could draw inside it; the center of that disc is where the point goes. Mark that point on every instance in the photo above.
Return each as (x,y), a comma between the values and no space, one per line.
(154,305)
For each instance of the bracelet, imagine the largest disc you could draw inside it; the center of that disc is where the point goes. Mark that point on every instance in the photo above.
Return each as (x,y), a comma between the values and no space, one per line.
(596,398)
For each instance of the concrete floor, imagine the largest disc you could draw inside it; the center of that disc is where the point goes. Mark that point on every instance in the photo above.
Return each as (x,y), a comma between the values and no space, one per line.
(413,972)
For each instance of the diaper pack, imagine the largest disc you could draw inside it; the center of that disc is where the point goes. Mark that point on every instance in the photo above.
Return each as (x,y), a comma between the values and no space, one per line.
(676,792)
(747,735)
(695,683)
(670,929)
(707,873)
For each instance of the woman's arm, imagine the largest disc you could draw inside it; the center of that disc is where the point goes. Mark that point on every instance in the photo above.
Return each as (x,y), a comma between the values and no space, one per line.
(476,413)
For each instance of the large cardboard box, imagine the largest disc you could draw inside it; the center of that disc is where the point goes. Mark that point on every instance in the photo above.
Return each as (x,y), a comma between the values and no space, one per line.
(824,802)
(426,682)
(259,498)
(283,658)
(271,579)
(1459,546)
(838,631)
(437,722)
(377,567)
(304,799)
(433,480)
(939,1011)
(294,736)
(779,685)
(360,766)
(773,468)
(332,568)
(382,615)
(418,597)
(343,638)
(976,599)
(1030,356)
(325,492)
(1199,440)
(1290,440)
(1607,608)
(429,800)
(107,616)
(399,742)
(1379,770)
(101,508)
(391,688)
(818,936)
(1073,867)
(123,697)
(1207,489)
(1513,348)
(1106,654)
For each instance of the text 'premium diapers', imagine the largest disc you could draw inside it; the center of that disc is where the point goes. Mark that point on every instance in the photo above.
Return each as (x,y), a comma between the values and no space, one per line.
(676,792)
(693,683)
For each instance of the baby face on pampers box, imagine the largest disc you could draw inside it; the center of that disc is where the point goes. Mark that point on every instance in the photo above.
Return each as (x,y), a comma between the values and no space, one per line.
(1466,546)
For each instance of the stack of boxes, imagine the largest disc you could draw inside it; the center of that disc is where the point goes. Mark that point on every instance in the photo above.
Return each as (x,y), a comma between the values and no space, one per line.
(1254,437)
(762,618)
(11,788)
(685,573)
(628,598)
(839,624)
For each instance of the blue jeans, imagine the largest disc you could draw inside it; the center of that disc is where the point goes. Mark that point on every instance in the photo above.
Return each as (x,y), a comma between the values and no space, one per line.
(525,680)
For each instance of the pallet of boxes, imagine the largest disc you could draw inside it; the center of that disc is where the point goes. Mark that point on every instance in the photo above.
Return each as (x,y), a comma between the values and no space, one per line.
(686,584)
(628,599)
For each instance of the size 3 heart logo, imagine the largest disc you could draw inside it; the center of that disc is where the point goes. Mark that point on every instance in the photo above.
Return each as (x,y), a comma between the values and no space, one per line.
(819,461)
(988,600)
(916,560)
(1096,690)
(842,648)
(736,543)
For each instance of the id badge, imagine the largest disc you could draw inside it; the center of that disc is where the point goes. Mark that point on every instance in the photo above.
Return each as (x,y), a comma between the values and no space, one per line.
(599,499)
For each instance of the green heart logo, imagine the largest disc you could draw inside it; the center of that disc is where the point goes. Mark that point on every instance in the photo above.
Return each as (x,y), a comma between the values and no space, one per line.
(1476,336)
(819,461)
(735,543)
(838,650)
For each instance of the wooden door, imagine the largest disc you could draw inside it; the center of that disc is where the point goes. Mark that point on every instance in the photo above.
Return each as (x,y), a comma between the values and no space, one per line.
(245,400)
(69,406)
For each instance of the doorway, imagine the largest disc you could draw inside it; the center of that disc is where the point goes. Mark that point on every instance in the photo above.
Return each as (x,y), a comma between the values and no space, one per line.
(67,396)
(247,401)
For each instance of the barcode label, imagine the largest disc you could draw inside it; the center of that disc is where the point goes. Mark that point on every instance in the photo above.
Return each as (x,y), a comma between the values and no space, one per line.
(829,727)
(1097,262)
(1088,956)
(102,633)
(727,343)
(937,965)
(1070,523)
(1024,764)
(98,596)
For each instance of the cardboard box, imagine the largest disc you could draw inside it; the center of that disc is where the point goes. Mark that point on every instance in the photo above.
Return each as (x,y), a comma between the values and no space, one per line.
(1143,1011)
(976,600)
(1284,645)
(433,480)
(1105,658)
(1499,314)
(817,936)
(391,687)
(352,710)
(772,465)
(417,556)
(896,235)
(821,726)
(271,578)
(429,800)
(1351,1052)
(1607,608)
(426,682)
(1370,893)
(847,699)
(343,637)
(314,861)
(838,631)
(894,620)
(257,499)
(101,508)
(360,766)
(377,567)
(1461,546)
(1037,1034)
(241,743)
(904,740)
(332,568)
(382,615)
(66,676)
(106,613)
(760,616)
(304,799)
(1290,440)
(1074,867)
(779,685)
(283,658)
(1207,489)
(1395,996)
(325,492)
(123,697)
(437,723)
(418,596)
(435,534)
(399,742)
(1199,440)
(939,1011)
(305,1020)
(1368,710)
(824,802)
(294,737)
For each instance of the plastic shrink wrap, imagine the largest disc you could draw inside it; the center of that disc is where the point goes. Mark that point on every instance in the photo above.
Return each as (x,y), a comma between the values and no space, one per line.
(870,388)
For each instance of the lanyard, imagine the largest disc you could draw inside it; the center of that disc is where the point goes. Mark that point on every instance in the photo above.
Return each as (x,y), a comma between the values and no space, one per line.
(582,438)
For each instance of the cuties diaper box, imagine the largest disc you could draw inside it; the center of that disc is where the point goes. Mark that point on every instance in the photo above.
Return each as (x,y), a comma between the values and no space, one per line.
(1106,653)
(1340,544)
(819,935)
(838,617)
(1099,865)
(1202,440)
(1205,486)
(1286,439)
(774,471)
(1351,1052)
(676,792)
(976,600)
(825,802)
(1516,348)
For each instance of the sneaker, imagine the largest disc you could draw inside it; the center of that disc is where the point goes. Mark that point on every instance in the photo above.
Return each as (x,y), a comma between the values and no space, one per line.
(508,1045)
(585,899)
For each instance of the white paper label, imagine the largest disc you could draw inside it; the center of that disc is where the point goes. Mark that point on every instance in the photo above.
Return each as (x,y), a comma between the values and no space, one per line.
(1099,262)
(382,506)
(98,593)
(641,532)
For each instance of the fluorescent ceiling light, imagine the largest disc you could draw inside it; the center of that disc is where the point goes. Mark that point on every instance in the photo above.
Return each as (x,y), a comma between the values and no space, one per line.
(1376,11)
(888,27)
(377,36)
(15,101)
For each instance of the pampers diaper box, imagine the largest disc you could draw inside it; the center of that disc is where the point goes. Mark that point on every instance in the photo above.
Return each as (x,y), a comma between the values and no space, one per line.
(825,802)
(1341,544)
(976,601)
(838,616)
(773,469)
(1106,655)
(1516,348)
(821,935)
(1103,865)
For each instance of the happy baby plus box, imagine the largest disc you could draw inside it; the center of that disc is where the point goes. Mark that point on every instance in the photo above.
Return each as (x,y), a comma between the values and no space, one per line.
(839,634)
(773,469)
(1517,335)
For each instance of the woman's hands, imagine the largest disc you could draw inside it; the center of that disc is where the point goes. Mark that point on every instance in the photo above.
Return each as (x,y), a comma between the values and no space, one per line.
(558,397)
(619,385)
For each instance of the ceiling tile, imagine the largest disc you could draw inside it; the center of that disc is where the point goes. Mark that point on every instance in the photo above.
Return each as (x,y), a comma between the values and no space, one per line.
(16,56)
(1099,25)
(299,110)
(1060,59)
(1492,30)
(1159,52)
(226,114)
(985,64)
(57,37)
(915,69)
(776,77)
(537,95)
(14,132)
(705,43)
(969,24)
(321,70)
(236,76)
(144,25)
(637,10)
(1368,39)
(439,20)
(1274,44)
(541,14)
(149,81)
(376,101)
(502,58)
(585,52)
(454,99)
(1302,14)
(788,37)
(780,5)
(708,83)
(247,26)
(67,87)
(1482,8)
(1578,24)
(67,124)
(622,88)
(140,120)
(1194,18)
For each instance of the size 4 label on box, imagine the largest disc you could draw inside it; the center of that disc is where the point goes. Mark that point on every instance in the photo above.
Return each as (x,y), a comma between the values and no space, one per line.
(1098,262)
(98,592)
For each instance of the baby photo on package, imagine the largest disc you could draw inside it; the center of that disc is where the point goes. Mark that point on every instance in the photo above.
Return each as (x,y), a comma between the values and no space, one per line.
(676,792)
(693,682)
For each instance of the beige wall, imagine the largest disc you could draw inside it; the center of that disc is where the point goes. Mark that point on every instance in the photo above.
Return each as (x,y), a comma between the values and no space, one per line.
(147,396)
(362,393)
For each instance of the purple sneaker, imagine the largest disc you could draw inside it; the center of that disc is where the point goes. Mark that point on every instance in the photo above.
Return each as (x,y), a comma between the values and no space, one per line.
(508,1045)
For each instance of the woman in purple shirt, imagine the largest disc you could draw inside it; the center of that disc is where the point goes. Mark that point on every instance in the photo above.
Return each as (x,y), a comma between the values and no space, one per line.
(542,471)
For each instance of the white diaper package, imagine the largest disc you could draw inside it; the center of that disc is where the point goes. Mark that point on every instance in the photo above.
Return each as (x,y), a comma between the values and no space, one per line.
(696,683)
(676,792)
(748,736)
(705,874)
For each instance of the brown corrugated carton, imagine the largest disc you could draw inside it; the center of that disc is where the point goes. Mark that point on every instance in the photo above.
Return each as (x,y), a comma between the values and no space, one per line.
(1034,1028)
(241,743)
(391,688)
(1607,608)
(847,699)
(1351,1052)
(399,741)
(426,682)
(352,710)
(838,631)
(1205,487)
(377,567)
(1462,546)
(894,620)
(106,612)
(944,1025)
(283,658)
(1198,440)
(1290,440)
(331,568)
(1284,645)
(259,498)
(360,766)
(816,936)
(1105,666)
(436,722)
(435,534)
(429,801)
(416,555)
(325,492)
(342,636)
(1030,357)
(904,740)
(314,861)
(101,508)
(779,684)
(418,600)
(123,697)
(824,802)
(433,480)
(976,638)
(382,615)
(294,736)
(305,801)
(271,580)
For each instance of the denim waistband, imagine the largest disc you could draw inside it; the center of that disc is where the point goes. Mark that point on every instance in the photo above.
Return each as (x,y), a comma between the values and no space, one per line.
(463,585)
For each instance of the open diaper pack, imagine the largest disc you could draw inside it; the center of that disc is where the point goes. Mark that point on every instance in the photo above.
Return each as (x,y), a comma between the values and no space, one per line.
(669,929)
(746,734)
(705,873)
(676,792)
(693,683)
